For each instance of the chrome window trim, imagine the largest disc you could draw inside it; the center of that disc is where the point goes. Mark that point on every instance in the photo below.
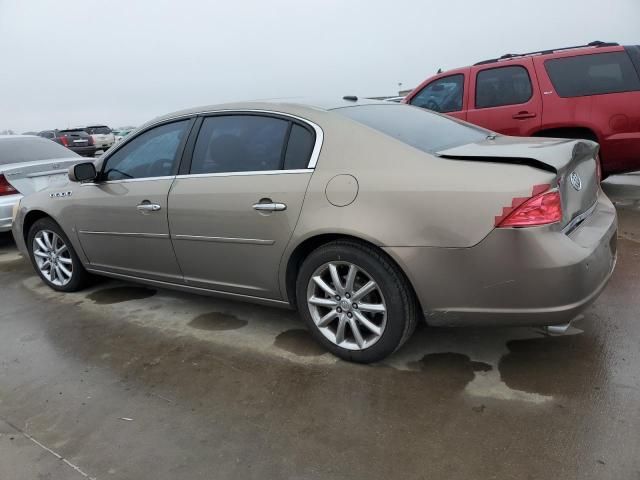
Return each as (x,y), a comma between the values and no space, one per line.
(127,180)
(238,174)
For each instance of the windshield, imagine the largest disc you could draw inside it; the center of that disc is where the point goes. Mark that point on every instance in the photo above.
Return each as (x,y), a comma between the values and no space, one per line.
(98,130)
(414,126)
(29,149)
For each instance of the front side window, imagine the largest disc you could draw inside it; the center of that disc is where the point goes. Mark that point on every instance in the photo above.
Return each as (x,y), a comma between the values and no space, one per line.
(239,143)
(443,95)
(594,74)
(150,154)
(496,87)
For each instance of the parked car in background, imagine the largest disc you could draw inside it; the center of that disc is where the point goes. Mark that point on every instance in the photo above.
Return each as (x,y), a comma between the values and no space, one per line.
(299,205)
(103,137)
(119,134)
(587,92)
(76,140)
(29,164)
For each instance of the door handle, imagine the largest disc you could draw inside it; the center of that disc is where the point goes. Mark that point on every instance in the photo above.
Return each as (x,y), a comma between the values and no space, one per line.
(148,207)
(524,115)
(269,207)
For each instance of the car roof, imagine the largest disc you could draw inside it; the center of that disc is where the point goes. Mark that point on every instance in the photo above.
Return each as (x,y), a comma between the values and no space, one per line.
(277,104)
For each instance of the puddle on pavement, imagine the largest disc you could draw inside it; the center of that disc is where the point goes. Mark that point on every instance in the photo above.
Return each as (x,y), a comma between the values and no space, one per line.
(449,370)
(109,296)
(552,365)
(217,321)
(299,342)
(17,265)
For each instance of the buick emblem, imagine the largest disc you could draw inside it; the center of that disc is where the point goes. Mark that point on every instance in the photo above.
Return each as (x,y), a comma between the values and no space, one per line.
(576,183)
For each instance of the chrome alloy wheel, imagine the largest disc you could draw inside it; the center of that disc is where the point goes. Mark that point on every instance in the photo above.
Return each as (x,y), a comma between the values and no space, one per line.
(53,258)
(347,305)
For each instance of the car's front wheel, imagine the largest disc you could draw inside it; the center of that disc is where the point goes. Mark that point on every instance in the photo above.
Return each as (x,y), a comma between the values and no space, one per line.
(355,301)
(54,258)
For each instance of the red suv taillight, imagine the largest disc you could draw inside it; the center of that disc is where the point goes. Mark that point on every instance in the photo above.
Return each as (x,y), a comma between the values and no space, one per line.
(90,140)
(5,187)
(542,209)
(64,140)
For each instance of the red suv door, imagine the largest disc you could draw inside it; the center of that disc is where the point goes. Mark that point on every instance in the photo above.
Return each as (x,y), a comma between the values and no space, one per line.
(445,93)
(505,97)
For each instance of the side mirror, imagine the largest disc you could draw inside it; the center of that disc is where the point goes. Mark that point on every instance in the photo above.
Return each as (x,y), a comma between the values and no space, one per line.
(83,172)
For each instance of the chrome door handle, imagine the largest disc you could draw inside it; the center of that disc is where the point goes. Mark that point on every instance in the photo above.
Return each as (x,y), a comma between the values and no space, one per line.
(148,207)
(269,207)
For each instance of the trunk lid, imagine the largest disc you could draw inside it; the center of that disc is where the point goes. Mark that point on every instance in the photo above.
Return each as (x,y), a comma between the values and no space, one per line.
(30,177)
(572,161)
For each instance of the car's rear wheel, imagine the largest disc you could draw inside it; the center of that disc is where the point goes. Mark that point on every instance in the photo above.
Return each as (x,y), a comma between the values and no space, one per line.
(355,301)
(54,258)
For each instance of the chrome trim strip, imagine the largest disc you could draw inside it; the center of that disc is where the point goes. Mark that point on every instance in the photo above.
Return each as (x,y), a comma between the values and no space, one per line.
(126,234)
(189,288)
(573,224)
(238,174)
(128,180)
(201,238)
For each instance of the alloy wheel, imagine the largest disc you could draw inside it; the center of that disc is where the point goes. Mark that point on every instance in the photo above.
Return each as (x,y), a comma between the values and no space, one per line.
(52,257)
(347,305)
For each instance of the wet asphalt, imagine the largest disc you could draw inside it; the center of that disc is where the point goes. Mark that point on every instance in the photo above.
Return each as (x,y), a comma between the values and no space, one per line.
(126,382)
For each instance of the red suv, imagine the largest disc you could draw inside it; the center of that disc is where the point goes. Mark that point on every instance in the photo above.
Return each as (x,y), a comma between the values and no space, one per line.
(591,92)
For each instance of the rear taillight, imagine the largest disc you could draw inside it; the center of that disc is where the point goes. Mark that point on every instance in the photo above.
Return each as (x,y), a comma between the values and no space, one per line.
(90,140)
(598,168)
(64,140)
(541,209)
(5,187)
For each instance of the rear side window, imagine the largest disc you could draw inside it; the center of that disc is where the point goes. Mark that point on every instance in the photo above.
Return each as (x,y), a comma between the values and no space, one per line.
(417,127)
(98,130)
(299,148)
(442,95)
(594,74)
(239,143)
(500,86)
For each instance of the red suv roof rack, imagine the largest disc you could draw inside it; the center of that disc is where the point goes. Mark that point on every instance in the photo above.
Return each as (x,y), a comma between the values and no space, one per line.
(595,44)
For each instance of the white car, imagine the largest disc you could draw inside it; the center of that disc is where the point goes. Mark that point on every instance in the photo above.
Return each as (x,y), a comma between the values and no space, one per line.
(121,133)
(29,164)
(102,135)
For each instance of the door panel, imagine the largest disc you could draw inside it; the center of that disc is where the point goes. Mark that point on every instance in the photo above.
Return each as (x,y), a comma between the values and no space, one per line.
(505,98)
(221,241)
(117,236)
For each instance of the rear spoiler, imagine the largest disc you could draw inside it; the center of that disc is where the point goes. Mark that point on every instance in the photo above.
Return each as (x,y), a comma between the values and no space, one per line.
(531,162)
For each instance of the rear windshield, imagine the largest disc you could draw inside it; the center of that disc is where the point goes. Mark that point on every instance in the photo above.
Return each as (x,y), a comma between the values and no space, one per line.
(78,133)
(415,126)
(98,130)
(593,74)
(30,149)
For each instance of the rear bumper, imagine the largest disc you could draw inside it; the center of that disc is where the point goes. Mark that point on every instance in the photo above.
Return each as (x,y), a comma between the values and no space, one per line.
(84,151)
(6,211)
(534,276)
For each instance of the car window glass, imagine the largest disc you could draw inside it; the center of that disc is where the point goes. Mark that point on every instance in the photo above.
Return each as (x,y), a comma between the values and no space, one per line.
(29,149)
(502,86)
(151,154)
(299,148)
(443,95)
(417,127)
(592,74)
(239,143)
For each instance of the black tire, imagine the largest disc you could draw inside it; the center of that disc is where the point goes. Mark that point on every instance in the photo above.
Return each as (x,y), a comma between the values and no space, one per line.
(401,304)
(80,278)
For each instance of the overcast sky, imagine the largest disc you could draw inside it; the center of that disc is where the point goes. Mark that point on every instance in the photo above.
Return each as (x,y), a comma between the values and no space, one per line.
(122,62)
